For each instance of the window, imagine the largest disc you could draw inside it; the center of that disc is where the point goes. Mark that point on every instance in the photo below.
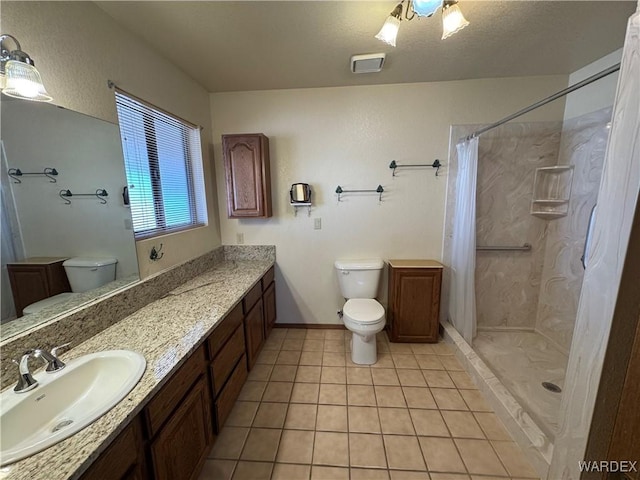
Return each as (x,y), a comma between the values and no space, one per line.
(163,163)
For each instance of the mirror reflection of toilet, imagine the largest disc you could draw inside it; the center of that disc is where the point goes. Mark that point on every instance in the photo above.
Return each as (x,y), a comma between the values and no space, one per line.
(84,273)
(361,314)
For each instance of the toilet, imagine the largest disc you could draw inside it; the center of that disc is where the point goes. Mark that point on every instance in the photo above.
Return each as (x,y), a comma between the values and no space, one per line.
(87,273)
(83,273)
(361,314)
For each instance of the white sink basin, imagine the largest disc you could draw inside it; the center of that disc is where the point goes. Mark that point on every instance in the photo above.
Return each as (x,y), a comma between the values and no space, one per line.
(65,402)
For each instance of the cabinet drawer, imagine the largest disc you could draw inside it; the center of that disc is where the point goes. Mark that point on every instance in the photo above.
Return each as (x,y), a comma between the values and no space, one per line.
(166,400)
(223,331)
(123,459)
(230,392)
(267,279)
(183,443)
(252,297)
(226,359)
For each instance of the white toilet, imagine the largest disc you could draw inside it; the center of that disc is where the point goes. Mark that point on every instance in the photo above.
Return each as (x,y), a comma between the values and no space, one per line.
(362,314)
(84,274)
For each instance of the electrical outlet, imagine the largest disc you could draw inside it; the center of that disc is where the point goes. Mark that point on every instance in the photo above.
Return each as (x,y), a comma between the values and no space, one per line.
(240,238)
(317,224)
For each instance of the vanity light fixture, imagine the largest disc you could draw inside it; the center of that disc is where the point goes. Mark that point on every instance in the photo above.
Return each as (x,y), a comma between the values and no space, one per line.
(452,18)
(18,75)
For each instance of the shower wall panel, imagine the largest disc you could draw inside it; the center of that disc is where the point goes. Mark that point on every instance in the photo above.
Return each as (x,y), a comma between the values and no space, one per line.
(508,282)
(583,144)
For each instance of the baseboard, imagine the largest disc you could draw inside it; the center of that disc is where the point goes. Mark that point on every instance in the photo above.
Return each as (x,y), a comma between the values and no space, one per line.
(334,326)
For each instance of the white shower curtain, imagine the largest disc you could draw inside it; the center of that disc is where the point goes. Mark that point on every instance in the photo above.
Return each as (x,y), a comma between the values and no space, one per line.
(462,299)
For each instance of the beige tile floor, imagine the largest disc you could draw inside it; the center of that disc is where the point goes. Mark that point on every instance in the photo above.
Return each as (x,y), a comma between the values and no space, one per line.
(308,412)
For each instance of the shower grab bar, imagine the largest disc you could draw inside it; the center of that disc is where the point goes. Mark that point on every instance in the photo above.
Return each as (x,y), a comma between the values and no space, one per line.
(587,241)
(524,248)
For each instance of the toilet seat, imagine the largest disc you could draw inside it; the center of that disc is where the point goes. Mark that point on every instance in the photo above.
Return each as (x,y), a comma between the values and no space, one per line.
(46,303)
(363,311)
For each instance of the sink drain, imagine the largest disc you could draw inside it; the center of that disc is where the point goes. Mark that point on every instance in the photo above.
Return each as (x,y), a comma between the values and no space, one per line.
(552,387)
(61,425)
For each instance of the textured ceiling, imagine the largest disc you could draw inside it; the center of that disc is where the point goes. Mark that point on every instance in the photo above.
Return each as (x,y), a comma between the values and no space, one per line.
(235,46)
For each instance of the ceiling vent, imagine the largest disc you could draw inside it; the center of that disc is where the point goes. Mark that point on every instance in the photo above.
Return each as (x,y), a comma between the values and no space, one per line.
(369,63)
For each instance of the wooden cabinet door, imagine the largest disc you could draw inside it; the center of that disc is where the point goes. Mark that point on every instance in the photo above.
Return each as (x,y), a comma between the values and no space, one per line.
(182,445)
(123,459)
(247,173)
(254,332)
(414,298)
(269,298)
(35,282)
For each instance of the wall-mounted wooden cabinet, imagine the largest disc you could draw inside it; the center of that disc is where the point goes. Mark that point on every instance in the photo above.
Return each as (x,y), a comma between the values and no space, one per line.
(414,300)
(248,176)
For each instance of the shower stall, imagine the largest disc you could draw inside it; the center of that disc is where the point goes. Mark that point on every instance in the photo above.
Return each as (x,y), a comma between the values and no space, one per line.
(537,184)
(530,189)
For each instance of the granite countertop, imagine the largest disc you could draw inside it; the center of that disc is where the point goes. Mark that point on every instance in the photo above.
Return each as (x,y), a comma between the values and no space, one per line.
(166,332)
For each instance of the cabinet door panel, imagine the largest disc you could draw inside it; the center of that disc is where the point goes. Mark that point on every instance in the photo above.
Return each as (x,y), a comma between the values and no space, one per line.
(415,304)
(269,309)
(246,161)
(182,445)
(254,332)
(123,459)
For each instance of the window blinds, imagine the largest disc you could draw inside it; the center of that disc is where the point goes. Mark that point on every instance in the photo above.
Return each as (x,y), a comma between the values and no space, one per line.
(163,163)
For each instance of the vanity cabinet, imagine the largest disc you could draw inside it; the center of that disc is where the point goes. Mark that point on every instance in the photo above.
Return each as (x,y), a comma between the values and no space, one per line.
(414,300)
(178,420)
(35,279)
(171,437)
(260,315)
(248,175)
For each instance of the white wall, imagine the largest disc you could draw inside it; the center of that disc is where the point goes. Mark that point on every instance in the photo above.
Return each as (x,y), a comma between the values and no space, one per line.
(597,95)
(77,47)
(348,136)
(87,154)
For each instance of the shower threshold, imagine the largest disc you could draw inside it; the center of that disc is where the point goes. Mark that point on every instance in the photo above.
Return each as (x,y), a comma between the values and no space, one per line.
(536,442)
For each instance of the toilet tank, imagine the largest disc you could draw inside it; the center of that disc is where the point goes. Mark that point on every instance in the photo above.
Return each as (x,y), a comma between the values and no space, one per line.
(85,273)
(359,278)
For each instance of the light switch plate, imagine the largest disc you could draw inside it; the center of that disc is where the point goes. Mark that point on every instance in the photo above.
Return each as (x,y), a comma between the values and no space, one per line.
(317,224)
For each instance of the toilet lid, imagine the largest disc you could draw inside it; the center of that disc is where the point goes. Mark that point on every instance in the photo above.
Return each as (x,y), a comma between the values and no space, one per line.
(363,310)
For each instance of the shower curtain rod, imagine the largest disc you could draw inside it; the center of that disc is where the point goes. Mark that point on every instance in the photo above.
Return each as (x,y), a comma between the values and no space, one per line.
(555,96)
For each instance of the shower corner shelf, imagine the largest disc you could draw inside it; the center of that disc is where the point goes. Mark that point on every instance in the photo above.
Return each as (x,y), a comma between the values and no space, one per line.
(552,191)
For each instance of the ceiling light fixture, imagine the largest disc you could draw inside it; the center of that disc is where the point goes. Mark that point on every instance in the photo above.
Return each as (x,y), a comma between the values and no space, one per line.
(452,18)
(18,75)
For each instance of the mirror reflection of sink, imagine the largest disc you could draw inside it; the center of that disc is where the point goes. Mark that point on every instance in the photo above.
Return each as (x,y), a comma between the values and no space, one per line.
(65,402)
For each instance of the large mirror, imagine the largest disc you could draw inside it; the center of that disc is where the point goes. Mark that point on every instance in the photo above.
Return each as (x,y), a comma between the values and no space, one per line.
(43,227)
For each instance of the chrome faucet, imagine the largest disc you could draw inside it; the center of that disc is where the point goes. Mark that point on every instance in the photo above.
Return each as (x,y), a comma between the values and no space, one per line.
(26,381)
(54,364)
